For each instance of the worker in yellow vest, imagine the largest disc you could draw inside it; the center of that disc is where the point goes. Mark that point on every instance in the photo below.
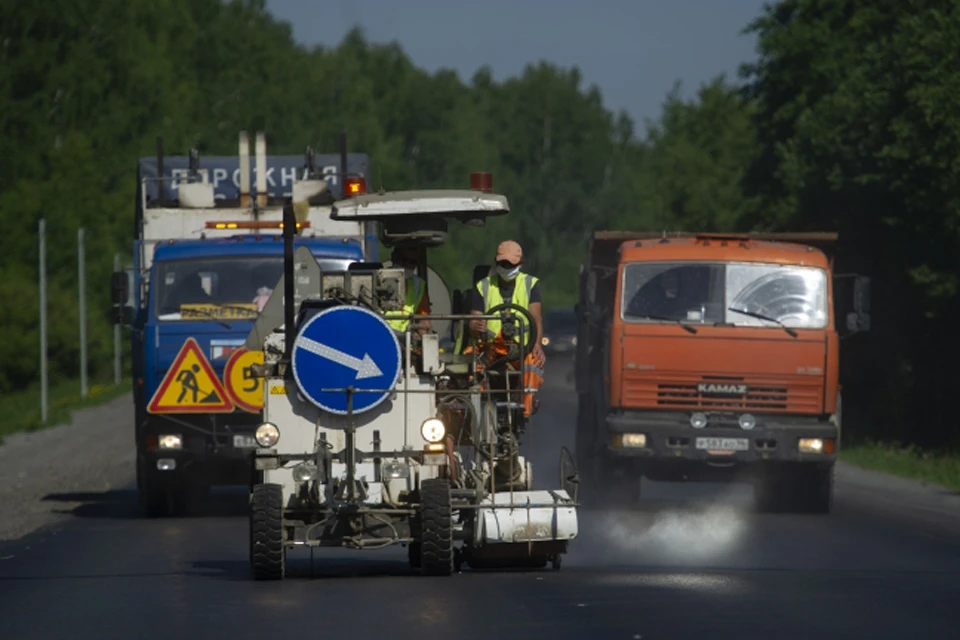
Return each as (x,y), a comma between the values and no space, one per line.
(416,302)
(510,285)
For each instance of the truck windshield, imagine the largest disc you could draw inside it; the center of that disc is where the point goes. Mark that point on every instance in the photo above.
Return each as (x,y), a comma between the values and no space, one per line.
(711,293)
(220,288)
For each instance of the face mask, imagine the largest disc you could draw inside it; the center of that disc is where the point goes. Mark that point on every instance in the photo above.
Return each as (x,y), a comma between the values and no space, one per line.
(508,274)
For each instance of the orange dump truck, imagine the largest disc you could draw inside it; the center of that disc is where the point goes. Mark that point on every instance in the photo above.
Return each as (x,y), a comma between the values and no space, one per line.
(712,357)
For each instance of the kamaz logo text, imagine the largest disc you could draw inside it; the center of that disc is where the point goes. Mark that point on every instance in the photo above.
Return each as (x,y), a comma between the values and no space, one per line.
(724,389)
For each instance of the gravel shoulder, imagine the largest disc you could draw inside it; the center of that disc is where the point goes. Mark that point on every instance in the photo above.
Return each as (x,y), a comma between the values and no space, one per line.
(45,474)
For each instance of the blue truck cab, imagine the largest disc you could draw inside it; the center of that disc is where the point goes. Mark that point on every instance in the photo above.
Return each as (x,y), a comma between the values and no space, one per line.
(207,256)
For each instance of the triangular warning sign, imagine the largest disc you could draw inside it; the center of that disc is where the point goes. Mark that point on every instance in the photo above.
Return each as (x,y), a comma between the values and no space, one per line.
(190,386)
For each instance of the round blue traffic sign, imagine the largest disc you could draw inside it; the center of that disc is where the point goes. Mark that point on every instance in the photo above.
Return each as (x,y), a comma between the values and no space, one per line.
(346,347)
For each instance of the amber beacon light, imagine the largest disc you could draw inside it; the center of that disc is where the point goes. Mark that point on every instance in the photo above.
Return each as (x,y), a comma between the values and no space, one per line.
(481,181)
(355,186)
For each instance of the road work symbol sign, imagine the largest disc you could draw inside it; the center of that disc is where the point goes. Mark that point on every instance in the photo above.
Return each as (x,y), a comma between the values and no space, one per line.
(346,347)
(245,389)
(190,386)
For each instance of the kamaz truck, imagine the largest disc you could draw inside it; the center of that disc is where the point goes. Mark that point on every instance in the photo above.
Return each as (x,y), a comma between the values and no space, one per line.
(714,357)
(207,254)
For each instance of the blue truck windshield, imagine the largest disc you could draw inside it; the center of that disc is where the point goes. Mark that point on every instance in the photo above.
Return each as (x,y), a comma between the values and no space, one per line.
(223,287)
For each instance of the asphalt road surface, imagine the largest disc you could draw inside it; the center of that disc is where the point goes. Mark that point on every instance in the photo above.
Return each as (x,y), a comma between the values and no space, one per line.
(692,561)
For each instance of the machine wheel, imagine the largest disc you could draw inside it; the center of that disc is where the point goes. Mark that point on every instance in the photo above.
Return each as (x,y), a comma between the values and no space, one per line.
(413,554)
(436,522)
(814,489)
(557,562)
(267,552)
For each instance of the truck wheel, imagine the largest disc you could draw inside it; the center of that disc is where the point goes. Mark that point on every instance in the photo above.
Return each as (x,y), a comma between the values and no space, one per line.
(436,521)
(156,500)
(814,489)
(267,552)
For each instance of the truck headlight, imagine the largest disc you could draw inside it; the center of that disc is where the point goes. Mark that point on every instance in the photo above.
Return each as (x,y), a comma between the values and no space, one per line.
(170,441)
(816,445)
(432,430)
(633,439)
(267,435)
(747,422)
(698,420)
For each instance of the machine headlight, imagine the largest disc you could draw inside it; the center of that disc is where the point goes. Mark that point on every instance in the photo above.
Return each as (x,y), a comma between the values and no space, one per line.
(304,472)
(698,420)
(267,435)
(395,469)
(432,430)
(747,422)
(544,340)
(170,441)
(633,440)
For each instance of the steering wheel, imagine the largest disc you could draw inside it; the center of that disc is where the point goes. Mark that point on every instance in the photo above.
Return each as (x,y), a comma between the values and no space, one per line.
(527,319)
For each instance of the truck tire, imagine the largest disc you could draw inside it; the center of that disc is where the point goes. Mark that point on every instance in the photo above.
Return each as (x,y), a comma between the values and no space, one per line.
(814,489)
(805,488)
(436,522)
(267,551)
(156,499)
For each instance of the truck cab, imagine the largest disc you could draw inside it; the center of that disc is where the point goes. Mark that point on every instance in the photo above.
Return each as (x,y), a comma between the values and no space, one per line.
(712,357)
(207,255)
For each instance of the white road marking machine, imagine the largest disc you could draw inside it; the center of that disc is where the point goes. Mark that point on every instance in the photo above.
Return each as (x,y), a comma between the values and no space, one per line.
(375,437)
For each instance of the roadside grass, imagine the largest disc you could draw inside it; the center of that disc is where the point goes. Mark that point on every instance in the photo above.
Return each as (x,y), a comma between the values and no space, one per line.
(935,467)
(20,411)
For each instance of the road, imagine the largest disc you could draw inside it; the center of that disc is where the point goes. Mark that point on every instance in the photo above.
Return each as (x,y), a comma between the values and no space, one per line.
(691,560)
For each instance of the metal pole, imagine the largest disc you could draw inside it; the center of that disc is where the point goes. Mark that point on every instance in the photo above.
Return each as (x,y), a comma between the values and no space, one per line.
(84,390)
(116,332)
(43,321)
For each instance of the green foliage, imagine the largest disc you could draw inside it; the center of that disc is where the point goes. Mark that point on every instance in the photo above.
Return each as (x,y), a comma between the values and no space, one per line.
(847,122)
(857,121)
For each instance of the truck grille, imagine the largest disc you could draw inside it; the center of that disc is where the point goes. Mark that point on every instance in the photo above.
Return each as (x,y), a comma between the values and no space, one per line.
(687,396)
(801,395)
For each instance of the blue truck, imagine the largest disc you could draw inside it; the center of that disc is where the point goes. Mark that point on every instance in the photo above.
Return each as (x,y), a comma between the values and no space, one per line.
(207,254)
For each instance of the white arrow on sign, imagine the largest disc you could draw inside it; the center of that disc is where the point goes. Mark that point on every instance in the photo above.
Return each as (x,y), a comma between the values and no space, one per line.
(365,368)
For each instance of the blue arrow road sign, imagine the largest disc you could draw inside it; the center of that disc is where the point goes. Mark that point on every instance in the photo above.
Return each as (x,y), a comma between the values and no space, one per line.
(346,347)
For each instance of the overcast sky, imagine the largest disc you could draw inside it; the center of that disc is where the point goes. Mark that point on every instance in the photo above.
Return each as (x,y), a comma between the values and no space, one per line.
(633,50)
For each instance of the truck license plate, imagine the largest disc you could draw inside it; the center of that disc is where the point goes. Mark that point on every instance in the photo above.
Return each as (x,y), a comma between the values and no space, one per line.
(723,444)
(244,442)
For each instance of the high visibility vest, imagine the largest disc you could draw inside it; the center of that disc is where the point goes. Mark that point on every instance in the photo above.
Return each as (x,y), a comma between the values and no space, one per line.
(489,289)
(415,293)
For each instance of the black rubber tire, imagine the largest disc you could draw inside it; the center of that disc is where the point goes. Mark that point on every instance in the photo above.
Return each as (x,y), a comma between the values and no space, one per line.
(436,523)
(156,497)
(268,554)
(413,554)
(804,488)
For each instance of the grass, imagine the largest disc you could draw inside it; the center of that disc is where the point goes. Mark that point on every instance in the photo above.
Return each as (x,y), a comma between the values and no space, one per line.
(20,411)
(935,467)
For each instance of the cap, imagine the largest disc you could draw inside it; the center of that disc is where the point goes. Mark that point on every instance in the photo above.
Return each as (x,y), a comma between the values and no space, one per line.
(511,251)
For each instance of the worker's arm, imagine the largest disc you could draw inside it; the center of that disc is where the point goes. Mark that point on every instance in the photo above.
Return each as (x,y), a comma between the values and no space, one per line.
(537,313)
(477,326)
(423,309)
(536,310)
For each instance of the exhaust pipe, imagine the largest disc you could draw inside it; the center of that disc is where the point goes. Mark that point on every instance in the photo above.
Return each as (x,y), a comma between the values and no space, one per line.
(244,169)
(289,229)
(261,170)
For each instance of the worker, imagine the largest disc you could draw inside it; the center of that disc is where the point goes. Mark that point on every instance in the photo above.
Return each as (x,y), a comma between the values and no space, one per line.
(407,258)
(509,284)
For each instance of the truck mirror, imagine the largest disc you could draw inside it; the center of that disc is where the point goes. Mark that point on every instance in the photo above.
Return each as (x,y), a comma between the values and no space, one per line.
(861,295)
(858,321)
(119,287)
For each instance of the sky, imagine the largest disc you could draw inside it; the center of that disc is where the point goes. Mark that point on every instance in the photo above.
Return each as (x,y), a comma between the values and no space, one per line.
(633,50)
